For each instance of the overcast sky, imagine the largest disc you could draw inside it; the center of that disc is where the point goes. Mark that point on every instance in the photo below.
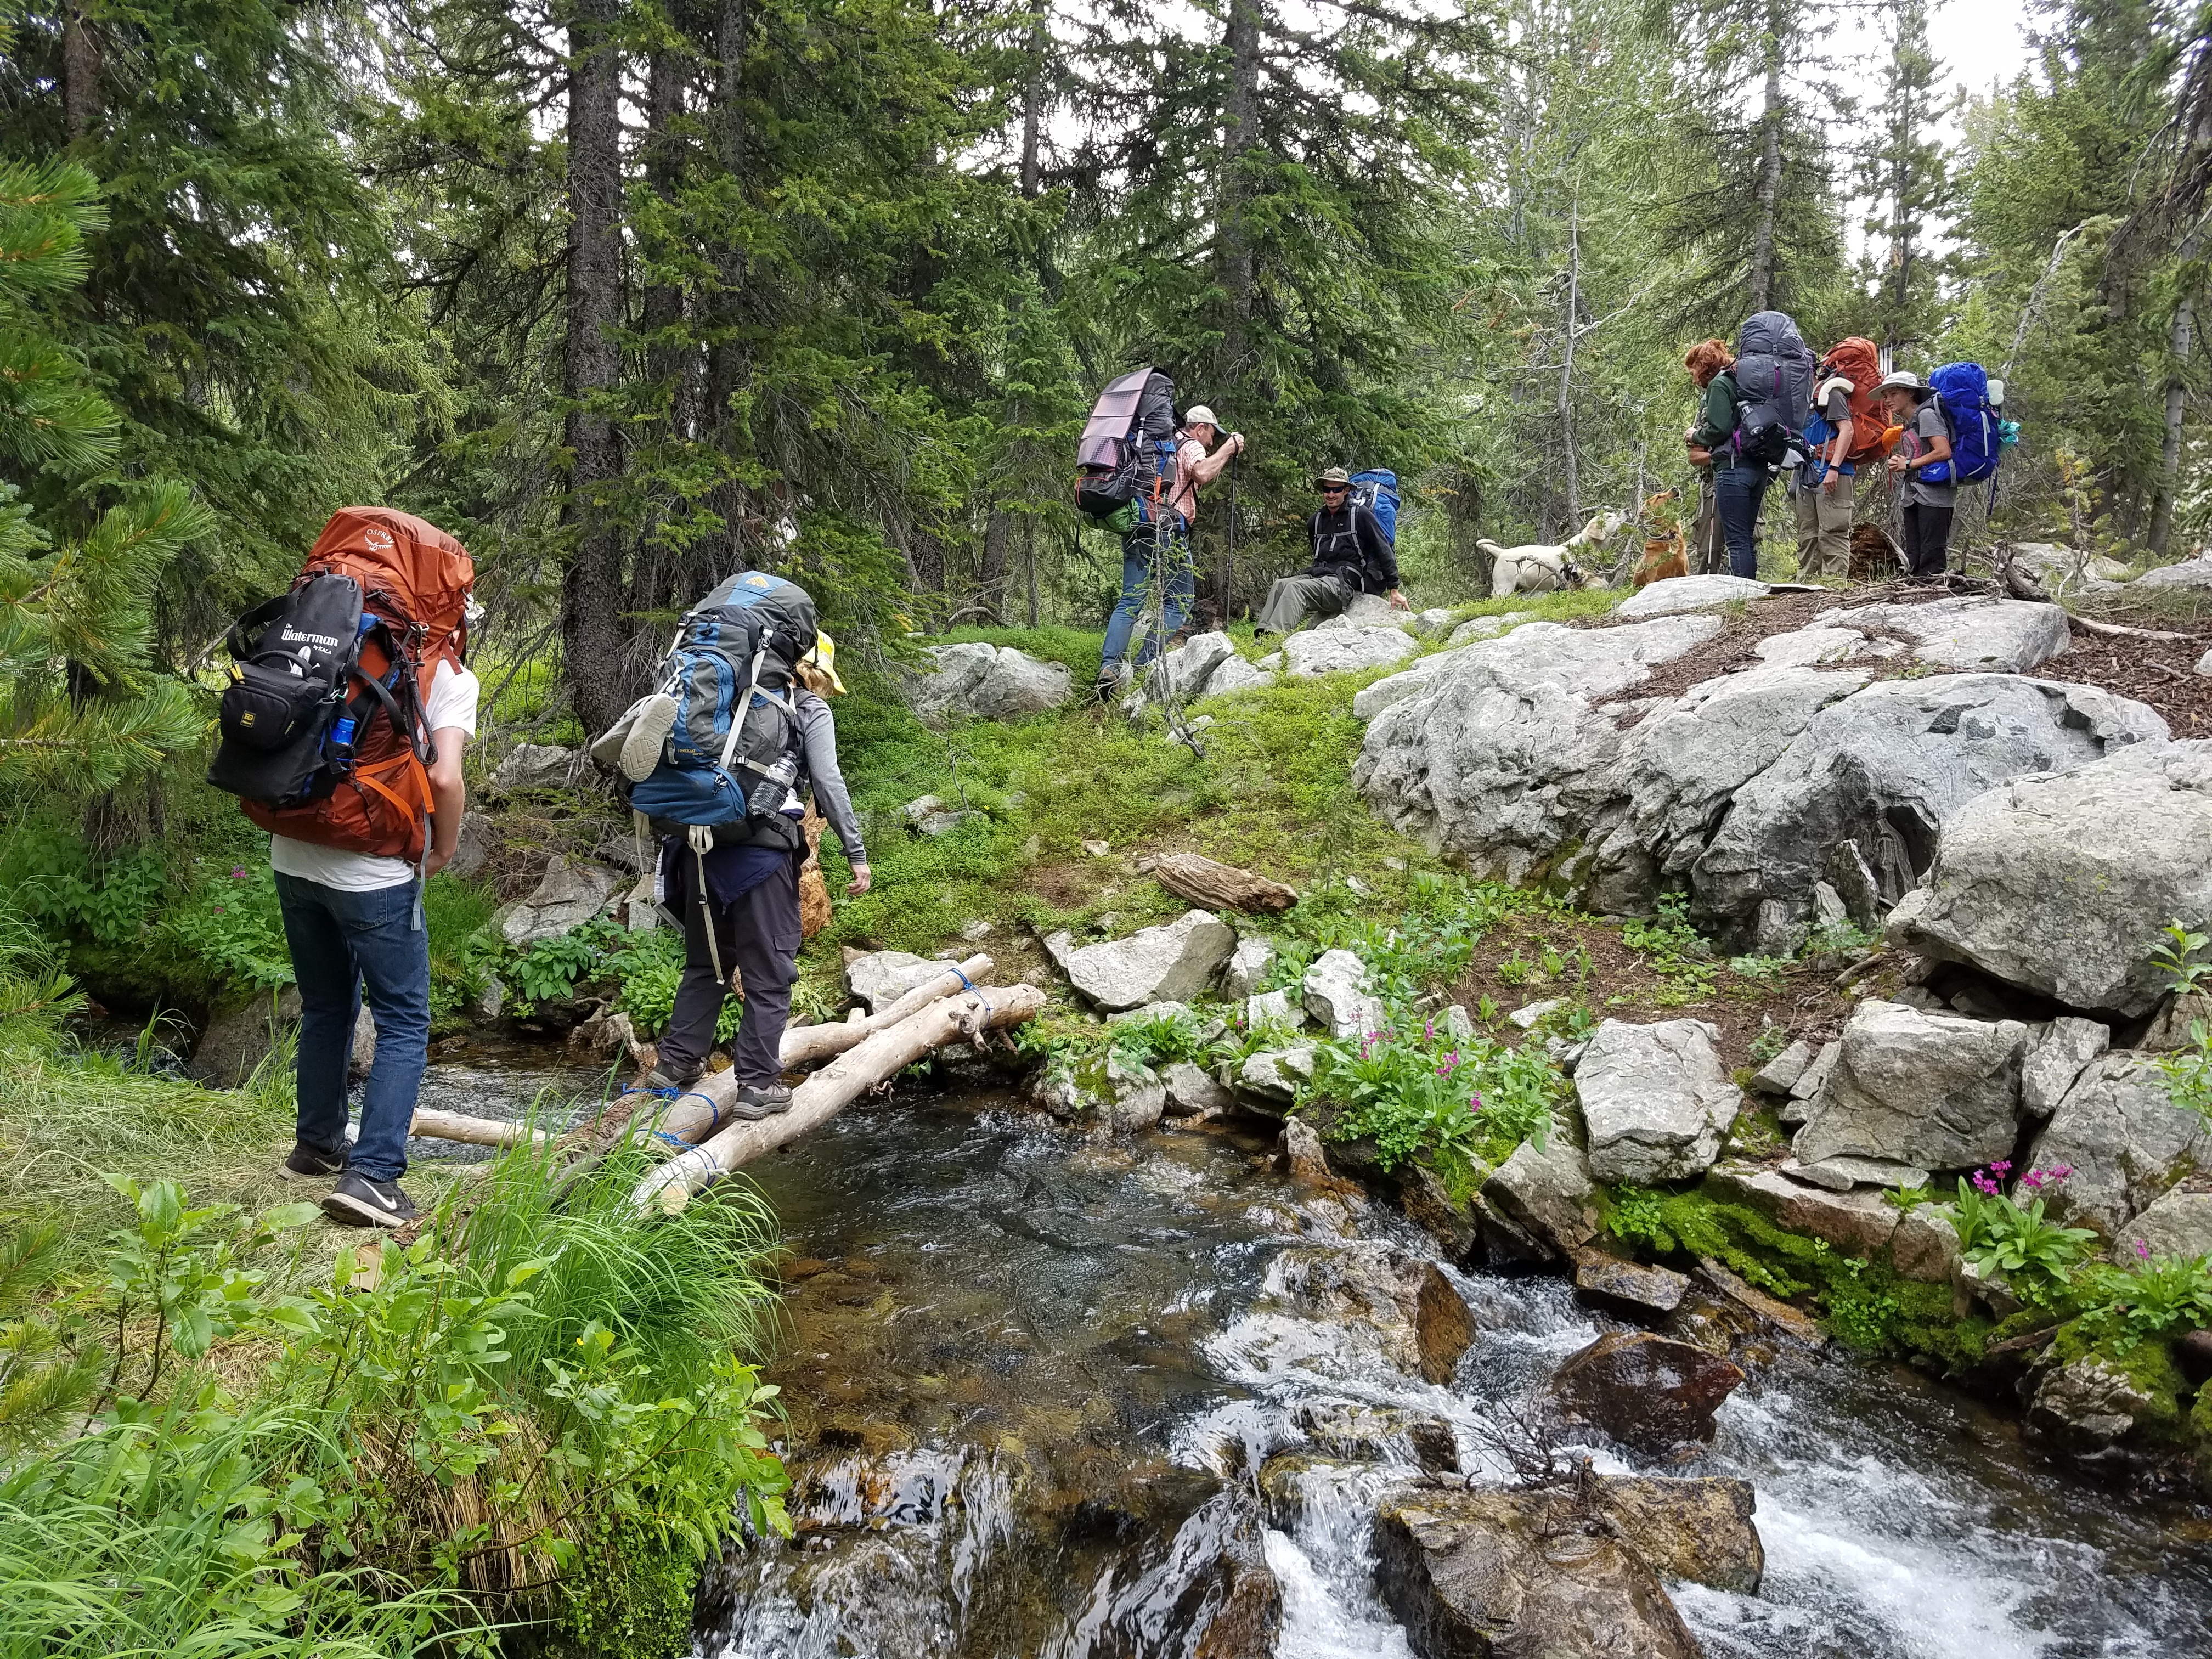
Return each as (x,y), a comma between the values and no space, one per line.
(1981,44)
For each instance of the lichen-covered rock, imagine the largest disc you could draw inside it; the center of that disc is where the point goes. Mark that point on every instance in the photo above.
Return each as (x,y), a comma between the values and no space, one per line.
(1675,593)
(2010,636)
(2180,1223)
(2089,1404)
(568,894)
(1934,1091)
(1273,1008)
(1336,995)
(1518,1575)
(2126,1142)
(2062,883)
(1235,675)
(1344,650)
(1273,1077)
(1885,768)
(1656,1100)
(986,681)
(1248,967)
(1924,1248)
(1647,1392)
(2057,1055)
(530,766)
(1174,962)
(1186,670)
(1861,1223)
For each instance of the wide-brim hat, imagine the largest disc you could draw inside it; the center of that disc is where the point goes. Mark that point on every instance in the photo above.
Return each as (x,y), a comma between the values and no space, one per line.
(1905,380)
(822,659)
(1335,478)
(1200,416)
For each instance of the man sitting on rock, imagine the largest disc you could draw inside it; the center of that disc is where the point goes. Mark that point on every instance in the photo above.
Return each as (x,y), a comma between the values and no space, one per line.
(1351,556)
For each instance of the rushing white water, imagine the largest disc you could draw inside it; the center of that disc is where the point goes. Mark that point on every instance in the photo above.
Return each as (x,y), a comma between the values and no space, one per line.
(1079,1361)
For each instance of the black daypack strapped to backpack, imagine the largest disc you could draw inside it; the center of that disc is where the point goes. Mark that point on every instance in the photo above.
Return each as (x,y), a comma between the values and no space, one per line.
(1127,450)
(1774,370)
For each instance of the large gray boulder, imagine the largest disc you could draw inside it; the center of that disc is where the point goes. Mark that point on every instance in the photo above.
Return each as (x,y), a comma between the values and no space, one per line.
(568,894)
(1681,767)
(1235,675)
(1336,989)
(882,977)
(1677,593)
(2125,1140)
(237,1039)
(1498,762)
(2057,1055)
(1547,1191)
(2180,1223)
(1344,650)
(986,681)
(1186,670)
(2062,883)
(536,766)
(2189,572)
(1656,1102)
(2009,637)
(1169,963)
(1487,628)
(1884,769)
(1932,1090)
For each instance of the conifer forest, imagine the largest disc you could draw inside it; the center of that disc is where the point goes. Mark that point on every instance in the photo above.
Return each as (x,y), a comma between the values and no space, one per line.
(1701,1071)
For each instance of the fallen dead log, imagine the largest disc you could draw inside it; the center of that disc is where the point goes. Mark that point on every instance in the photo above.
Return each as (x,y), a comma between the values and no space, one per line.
(2118,631)
(1203,882)
(476,1131)
(880,1057)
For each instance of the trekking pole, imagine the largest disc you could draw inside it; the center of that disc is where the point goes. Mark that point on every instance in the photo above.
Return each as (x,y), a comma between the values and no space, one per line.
(1229,558)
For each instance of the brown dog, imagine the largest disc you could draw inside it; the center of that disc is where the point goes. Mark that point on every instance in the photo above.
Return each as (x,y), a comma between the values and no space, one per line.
(1666,550)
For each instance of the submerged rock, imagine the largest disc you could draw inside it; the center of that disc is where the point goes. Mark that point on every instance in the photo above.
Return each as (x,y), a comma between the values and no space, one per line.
(1172,963)
(1647,1392)
(1933,1091)
(2062,883)
(1420,1324)
(1696,1531)
(1657,1103)
(1519,1575)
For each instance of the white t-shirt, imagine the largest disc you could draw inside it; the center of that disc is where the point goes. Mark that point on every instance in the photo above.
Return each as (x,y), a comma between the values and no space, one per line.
(453,703)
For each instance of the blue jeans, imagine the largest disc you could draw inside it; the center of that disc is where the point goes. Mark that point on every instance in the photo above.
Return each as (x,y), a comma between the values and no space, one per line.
(1738,492)
(344,945)
(1140,548)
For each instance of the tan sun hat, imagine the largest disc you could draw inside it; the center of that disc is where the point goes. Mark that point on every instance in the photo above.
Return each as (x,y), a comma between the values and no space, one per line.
(1905,380)
(1201,416)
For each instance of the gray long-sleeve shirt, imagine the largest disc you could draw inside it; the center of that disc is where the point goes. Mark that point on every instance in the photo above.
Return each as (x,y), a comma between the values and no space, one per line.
(818,726)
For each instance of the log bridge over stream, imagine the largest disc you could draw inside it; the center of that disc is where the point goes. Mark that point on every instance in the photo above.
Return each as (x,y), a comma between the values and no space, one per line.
(699,1140)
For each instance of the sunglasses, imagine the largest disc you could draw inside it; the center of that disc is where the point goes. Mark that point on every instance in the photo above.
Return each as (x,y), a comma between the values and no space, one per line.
(1336,489)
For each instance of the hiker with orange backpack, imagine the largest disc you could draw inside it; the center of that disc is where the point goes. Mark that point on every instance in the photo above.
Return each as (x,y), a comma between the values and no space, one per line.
(349,706)
(1847,432)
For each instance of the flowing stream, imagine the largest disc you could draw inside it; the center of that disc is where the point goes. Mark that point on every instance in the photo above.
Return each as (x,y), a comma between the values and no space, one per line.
(1036,1384)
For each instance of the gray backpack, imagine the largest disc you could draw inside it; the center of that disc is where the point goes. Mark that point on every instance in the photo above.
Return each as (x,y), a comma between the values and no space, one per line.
(1774,372)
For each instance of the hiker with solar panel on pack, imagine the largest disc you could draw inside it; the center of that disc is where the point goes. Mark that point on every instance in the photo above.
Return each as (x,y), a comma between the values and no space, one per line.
(342,729)
(1354,551)
(1138,474)
(715,762)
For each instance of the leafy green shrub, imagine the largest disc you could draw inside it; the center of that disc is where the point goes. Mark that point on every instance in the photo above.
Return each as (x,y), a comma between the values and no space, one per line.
(1675,951)
(1996,1234)
(2157,1296)
(2188,1072)
(2183,974)
(1454,1101)
(1160,1039)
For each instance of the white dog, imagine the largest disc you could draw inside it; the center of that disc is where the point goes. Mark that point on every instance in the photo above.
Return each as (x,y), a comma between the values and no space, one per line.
(1539,569)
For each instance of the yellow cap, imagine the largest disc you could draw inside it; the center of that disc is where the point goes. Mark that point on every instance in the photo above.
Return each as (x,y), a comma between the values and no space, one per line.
(822,659)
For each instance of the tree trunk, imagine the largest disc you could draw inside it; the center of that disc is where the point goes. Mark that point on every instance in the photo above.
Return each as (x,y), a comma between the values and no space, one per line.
(1235,266)
(2179,344)
(991,576)
(726,365)
(80,76)
(592,588)
(1028,559)
(667,359)
(1567,360)
(1033,107)
(1764,283)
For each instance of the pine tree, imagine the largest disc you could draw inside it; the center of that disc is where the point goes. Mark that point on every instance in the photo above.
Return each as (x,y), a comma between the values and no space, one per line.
(81,704)
(1905,174)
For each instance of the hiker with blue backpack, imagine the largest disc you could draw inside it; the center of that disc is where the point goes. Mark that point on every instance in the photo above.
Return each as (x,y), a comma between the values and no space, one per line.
(1921,473)
(715,764)
(1353,552)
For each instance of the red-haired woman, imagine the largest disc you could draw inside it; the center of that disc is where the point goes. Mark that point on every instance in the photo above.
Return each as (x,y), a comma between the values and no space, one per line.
(1739,487)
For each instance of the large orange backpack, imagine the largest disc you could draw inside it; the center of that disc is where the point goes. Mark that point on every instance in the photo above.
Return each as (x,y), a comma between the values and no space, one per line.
(324,734)
(1856,361)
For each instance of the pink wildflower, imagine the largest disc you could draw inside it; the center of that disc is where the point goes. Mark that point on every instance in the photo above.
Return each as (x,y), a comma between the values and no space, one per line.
(2142,1251)
(238,873)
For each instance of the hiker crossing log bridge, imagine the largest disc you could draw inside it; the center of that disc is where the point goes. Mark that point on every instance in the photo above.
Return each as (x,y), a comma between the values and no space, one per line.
(703,1142)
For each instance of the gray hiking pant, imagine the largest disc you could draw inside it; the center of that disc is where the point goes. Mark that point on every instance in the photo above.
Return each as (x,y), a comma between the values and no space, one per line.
(758,936)
(1291,599)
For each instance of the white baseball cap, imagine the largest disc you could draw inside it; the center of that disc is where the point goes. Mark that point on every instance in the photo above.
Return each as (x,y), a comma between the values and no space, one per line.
(1200,416)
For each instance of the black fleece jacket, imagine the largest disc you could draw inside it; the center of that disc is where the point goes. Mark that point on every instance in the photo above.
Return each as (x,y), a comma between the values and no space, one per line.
(1347,543)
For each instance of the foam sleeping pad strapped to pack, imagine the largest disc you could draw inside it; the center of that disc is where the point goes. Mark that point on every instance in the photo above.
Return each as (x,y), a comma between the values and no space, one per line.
(1774,388)
(1126,453)
(324,738)
(1377,491)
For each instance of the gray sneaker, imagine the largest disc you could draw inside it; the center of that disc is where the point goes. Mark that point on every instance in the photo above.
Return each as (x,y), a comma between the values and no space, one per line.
(755,1103)
(359,1201)
(648,735)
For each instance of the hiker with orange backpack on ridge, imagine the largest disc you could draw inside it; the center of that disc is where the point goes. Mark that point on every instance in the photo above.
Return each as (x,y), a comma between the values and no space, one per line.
(349,705)
(1847,433)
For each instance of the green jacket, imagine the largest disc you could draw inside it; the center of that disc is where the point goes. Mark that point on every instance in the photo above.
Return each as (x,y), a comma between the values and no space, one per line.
(1716,416)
